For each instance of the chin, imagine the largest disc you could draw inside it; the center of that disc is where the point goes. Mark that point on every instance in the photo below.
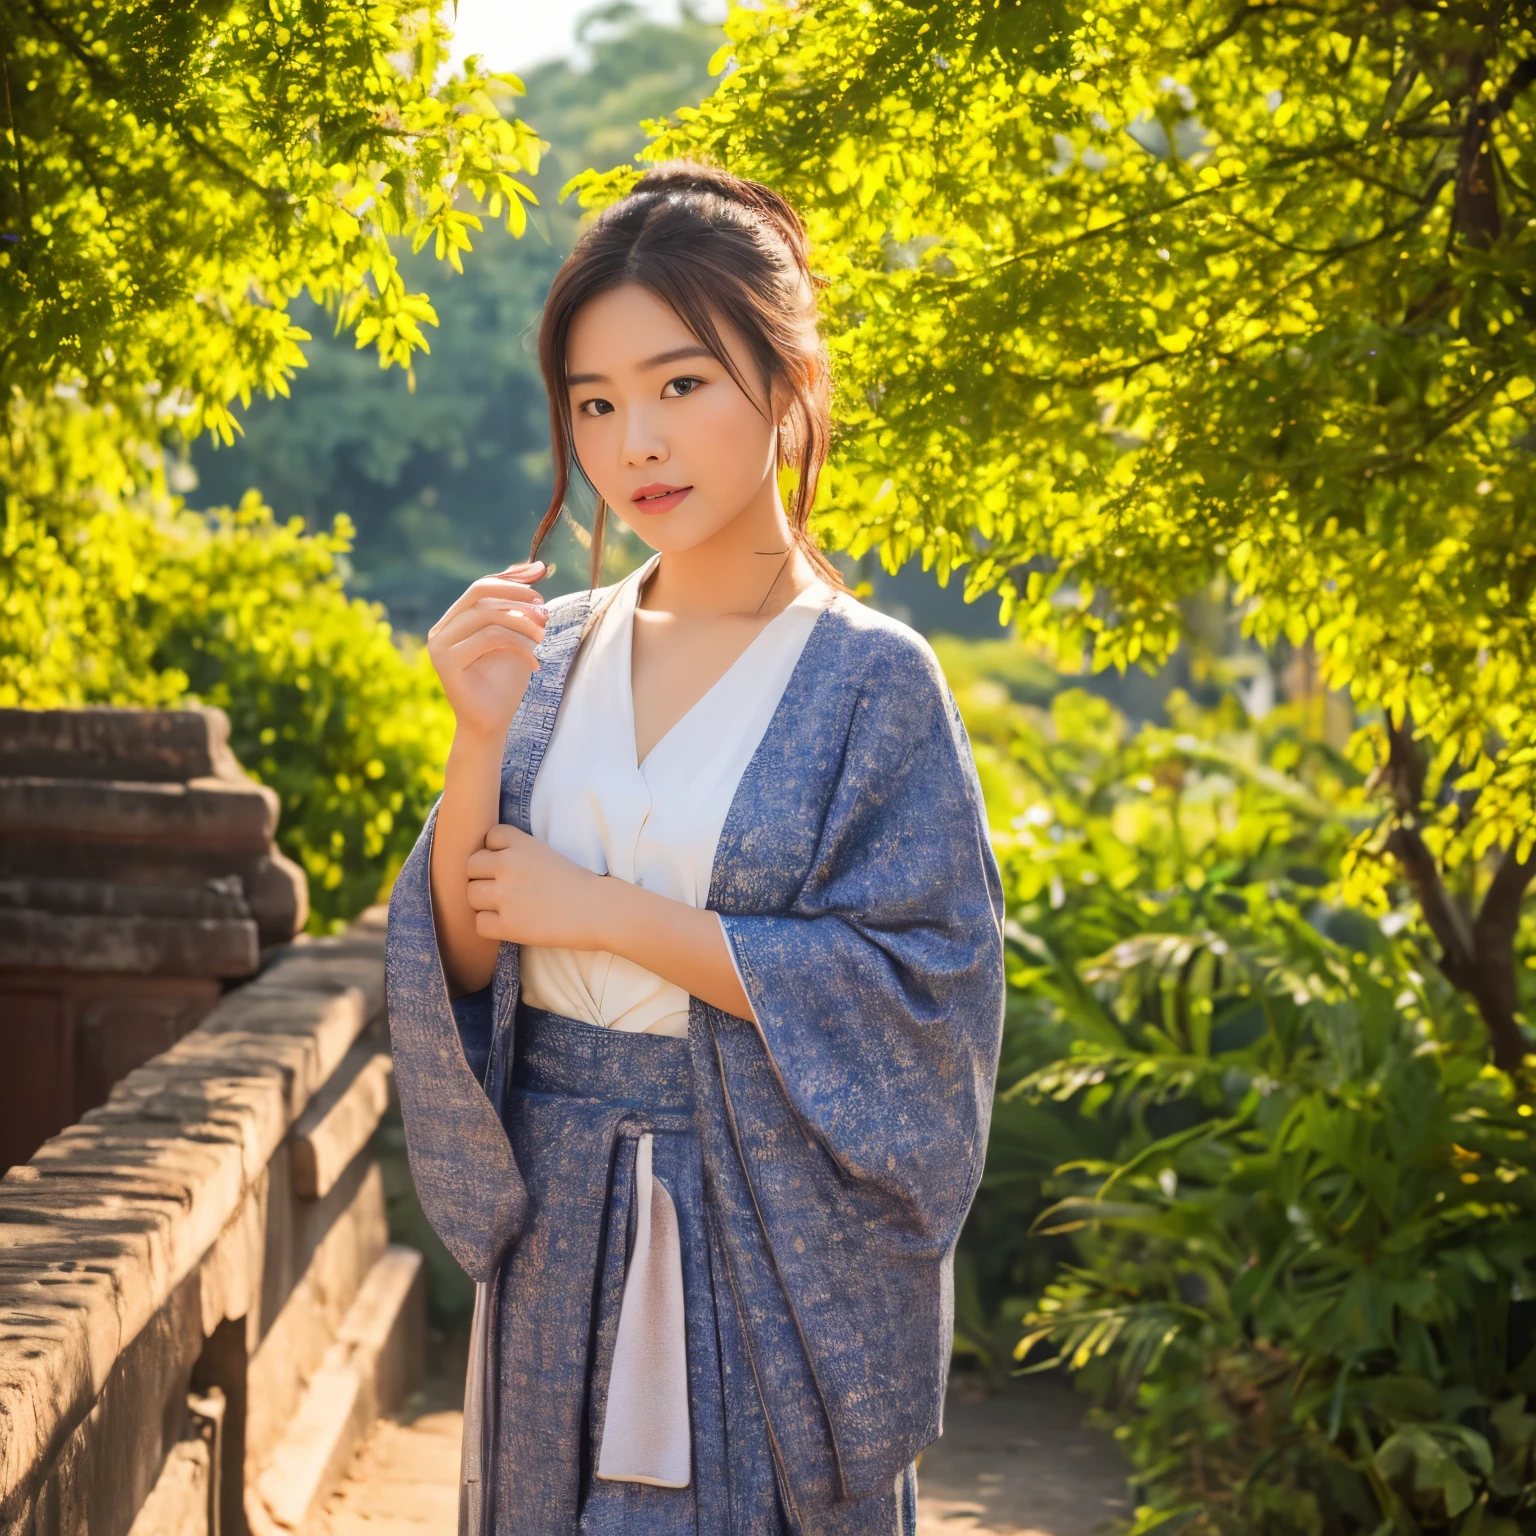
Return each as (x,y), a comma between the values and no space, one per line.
(670,533)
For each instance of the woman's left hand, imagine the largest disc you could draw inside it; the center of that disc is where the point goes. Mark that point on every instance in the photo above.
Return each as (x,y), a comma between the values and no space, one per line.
(523,892)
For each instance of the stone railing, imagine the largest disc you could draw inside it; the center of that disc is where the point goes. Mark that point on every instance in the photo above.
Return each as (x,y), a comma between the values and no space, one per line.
(200,1311)
(139,879)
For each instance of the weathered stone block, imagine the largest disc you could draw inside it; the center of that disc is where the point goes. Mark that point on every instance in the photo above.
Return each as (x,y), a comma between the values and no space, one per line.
(178,1503)
(66,1038)
(108,1446)
(163,1231)
(234,814)
(144,946)
(339,1121)
(221,899)
(320,966)
(160,745)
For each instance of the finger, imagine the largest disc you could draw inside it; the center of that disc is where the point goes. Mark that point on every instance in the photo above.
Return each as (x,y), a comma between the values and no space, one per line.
(491,597)
(488,642)
(521,616)
(482,895)
(527,570)
(483,864)
(478,625)
(501,837)
(513,583)
(487,925)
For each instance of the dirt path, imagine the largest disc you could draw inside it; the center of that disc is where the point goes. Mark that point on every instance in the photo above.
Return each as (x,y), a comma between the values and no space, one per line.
(1012,1463)
(1019,1463)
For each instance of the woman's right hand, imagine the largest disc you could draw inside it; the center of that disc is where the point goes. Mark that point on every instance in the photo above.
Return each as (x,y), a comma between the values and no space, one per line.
(483,648)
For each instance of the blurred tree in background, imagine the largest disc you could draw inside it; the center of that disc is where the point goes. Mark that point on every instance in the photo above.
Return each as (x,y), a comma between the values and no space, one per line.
(1134,304)
(445,475)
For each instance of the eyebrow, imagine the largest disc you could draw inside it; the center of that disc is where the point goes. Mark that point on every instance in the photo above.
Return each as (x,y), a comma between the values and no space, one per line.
(676,355)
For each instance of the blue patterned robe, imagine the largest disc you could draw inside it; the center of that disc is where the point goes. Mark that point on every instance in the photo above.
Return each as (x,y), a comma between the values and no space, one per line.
(837,1148)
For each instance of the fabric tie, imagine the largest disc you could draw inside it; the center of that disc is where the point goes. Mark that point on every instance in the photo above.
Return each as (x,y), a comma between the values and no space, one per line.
(646,1436)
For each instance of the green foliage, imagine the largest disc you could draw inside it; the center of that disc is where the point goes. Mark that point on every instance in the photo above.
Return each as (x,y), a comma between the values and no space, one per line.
(349,726)
(182,171)
(1132,302)
(1304,1271)
(1102,833)
(73,557)
(1250,1130)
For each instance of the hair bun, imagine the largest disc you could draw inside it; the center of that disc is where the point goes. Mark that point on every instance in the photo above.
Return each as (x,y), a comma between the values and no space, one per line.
(697,179)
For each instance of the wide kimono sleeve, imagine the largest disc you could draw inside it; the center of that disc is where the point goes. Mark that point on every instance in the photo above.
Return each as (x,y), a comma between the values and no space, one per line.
(450,1057)
(461,1158)
(857,1110)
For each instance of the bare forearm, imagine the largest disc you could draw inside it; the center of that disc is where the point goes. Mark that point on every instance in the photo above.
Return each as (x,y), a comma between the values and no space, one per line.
(681,944)
(470,807)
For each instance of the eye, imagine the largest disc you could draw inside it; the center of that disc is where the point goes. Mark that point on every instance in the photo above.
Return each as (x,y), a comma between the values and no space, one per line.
(595,407)
(675,389)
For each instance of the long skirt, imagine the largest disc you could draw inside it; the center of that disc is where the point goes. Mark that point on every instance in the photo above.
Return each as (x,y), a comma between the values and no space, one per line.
(580,1099)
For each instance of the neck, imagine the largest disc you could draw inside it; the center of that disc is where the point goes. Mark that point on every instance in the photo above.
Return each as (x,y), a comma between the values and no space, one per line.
(751,566)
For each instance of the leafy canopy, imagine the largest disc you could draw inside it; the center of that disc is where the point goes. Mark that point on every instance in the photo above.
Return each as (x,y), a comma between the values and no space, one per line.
(1135,301)
(448,480)
(183,169)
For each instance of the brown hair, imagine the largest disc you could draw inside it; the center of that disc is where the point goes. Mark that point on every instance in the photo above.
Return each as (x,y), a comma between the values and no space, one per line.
(714,248)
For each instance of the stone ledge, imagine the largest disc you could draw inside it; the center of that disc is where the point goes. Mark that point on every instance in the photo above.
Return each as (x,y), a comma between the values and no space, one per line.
(236,814)
(217,898)
(275,891)
(339,1120)
(142,946)
(111,1216)
(157,745)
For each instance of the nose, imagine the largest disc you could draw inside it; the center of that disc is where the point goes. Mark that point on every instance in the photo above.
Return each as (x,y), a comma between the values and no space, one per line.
(643,440)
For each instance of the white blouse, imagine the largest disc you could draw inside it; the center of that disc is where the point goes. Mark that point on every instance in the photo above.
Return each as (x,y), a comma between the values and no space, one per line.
(656,823)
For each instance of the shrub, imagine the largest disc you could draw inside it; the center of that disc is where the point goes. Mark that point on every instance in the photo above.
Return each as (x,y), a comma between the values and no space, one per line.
(1290,1208)
(1303,1277)
(326,704)
(142,602)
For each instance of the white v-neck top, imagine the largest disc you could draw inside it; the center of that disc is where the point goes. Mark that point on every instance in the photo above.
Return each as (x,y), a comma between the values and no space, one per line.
(656,823)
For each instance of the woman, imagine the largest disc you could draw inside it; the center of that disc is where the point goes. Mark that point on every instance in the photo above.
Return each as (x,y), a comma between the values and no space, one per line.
(695,974)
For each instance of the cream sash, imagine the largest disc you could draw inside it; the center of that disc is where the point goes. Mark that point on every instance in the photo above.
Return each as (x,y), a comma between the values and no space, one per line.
(646,1436)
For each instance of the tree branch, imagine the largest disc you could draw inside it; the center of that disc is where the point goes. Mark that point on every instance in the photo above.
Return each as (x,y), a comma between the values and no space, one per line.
(1477,958)
(1240,19)
(1493,932)
(1477,193)
(21,170)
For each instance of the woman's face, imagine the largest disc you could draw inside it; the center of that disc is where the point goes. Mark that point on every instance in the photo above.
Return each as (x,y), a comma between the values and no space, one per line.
(663,431)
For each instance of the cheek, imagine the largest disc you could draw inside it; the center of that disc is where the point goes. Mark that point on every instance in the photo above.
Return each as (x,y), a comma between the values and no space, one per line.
(594,439)
(728,440)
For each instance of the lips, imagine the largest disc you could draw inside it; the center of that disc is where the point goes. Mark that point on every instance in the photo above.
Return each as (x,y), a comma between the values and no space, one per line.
(657,498)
